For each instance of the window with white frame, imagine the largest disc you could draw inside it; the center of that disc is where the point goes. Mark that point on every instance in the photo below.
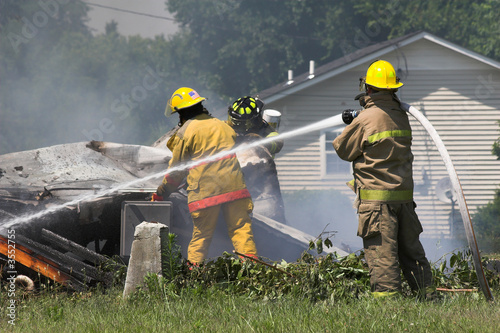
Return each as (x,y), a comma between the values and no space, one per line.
(331,164)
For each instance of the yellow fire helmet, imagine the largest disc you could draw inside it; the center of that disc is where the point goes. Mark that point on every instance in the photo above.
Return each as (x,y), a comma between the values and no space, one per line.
(182,98)
(381,75)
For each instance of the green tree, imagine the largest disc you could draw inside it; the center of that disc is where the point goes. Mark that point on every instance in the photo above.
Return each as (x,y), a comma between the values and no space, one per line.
(487,225)
(474,25)
(240,47)
(495,150)
(487,218)
(243,46)
(61,84)
(29,32)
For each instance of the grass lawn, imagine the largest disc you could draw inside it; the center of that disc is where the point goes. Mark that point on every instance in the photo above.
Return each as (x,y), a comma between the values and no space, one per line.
(318,294)
(212,310)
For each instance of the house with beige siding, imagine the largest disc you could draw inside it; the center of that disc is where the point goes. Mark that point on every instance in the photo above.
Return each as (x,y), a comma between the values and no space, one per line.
(456,89)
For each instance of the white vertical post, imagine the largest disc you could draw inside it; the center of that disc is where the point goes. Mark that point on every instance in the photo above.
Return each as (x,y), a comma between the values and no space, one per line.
(311,69)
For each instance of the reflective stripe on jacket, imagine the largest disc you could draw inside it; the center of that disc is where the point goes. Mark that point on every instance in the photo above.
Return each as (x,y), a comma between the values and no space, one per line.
(210,183)
(218,199)
(378,143)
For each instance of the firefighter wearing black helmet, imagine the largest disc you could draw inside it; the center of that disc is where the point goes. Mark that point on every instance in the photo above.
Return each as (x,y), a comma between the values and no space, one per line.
(245,117)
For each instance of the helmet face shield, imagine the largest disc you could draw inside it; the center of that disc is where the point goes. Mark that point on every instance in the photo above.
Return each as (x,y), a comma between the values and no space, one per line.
(362,84)
(240,125)
(168,109)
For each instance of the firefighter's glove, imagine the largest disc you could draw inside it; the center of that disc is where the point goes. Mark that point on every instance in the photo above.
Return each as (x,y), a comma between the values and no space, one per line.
(164,190)
(253,135)
(156,197)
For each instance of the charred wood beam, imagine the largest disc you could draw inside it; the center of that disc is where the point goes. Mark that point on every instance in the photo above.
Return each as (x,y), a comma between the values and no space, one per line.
(73,247)
(39,264)
(63,262)
(69,265)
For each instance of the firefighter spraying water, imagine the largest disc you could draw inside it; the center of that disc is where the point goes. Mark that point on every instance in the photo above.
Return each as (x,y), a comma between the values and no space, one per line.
(378,143)
(78,190)
(379,86)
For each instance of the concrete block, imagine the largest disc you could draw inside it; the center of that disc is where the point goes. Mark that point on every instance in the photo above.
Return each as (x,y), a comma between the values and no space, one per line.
(150,239)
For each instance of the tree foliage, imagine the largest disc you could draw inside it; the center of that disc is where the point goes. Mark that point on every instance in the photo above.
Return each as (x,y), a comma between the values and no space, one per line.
(473,25)
(62,84)
(487,225)
(244,46)
(495,150)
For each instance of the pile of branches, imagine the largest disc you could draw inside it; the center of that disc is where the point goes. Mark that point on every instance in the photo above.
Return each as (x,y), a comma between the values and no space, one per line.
(314,276)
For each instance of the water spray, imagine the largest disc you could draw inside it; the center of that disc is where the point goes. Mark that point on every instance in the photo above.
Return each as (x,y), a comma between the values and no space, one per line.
(328,122)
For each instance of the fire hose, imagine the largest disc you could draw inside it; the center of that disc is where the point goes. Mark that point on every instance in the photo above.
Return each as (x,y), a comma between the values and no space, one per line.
(457,187)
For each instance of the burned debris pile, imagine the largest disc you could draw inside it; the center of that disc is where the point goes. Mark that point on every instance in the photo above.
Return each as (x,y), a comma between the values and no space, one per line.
(64,262)
(71,197)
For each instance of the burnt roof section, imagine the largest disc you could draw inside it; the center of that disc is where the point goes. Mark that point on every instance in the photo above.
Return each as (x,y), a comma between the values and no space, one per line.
(302,78)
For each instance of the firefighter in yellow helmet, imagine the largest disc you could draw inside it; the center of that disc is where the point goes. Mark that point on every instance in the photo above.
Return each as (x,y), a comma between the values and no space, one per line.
(213,185)
(245,117)
(378,143)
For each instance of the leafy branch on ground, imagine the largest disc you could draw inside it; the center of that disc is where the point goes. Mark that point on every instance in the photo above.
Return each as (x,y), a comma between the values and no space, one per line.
(455,271)
(311,277)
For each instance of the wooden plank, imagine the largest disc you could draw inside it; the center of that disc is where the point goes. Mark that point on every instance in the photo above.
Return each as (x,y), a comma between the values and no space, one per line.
(73,247)
(69,265)
(40,264)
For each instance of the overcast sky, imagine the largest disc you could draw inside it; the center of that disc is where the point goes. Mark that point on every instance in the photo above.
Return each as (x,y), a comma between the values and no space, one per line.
(130,23)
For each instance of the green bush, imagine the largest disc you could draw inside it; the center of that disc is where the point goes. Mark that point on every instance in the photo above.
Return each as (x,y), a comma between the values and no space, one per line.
(487,225)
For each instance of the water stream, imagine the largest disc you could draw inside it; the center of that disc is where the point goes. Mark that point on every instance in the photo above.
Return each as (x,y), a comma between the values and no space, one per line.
(326,123)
